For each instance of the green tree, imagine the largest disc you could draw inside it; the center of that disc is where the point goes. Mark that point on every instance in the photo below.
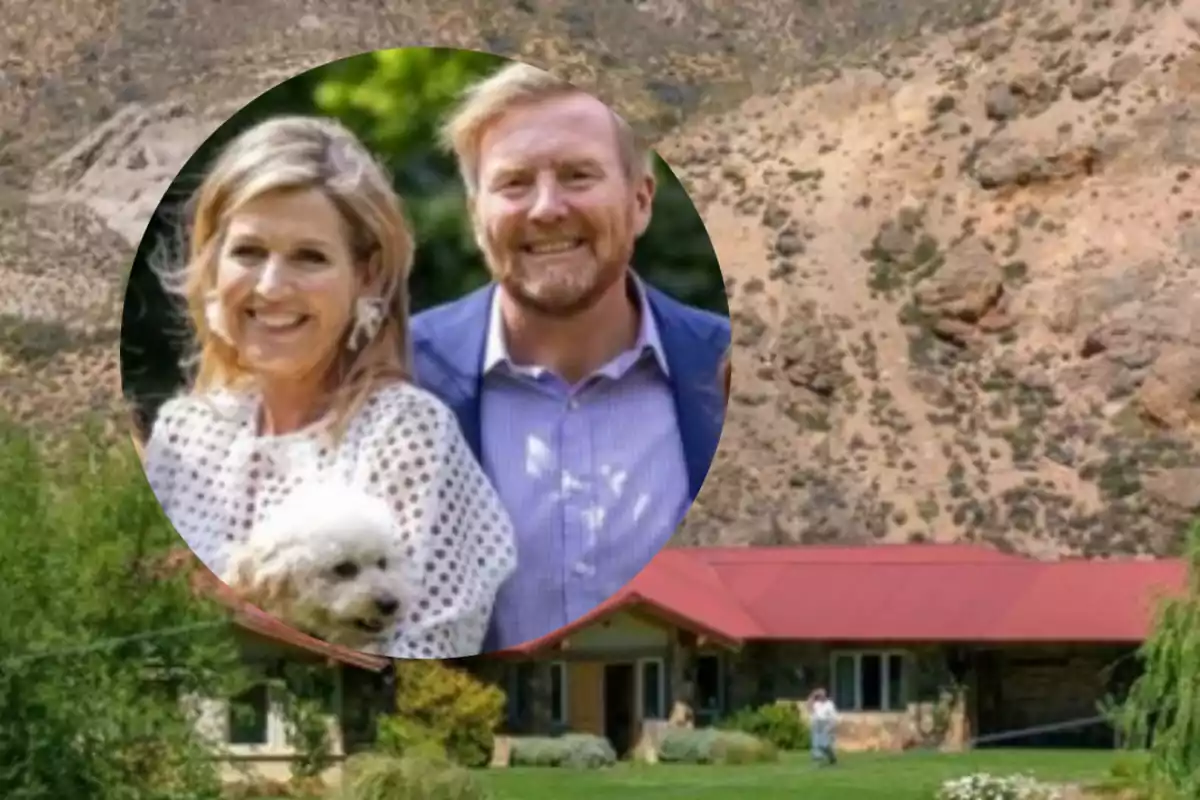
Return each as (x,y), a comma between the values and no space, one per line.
(1161,713)
(90,704)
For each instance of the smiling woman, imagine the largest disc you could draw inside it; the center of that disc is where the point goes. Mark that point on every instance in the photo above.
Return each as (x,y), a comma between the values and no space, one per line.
(286,279)
(302,466)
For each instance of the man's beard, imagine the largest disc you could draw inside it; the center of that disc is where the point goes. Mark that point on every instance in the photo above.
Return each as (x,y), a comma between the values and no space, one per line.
(559,307)
(607,271)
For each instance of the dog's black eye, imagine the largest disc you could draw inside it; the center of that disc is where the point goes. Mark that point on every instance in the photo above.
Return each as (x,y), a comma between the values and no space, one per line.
(346,569)
(382,563)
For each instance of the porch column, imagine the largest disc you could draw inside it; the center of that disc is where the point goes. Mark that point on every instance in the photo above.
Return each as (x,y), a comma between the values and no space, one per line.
(681,686)
(681,671)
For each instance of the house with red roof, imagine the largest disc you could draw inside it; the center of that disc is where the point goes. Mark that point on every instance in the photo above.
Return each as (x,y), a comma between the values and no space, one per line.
(248,732)
(918,645)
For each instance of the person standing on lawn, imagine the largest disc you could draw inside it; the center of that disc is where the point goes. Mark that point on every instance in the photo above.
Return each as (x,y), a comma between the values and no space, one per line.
(823,717)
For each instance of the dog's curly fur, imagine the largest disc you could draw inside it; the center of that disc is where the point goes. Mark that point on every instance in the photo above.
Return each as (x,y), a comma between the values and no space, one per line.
(323,563)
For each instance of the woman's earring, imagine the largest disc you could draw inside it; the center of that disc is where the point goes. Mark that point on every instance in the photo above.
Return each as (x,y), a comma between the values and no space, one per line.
(214,316)
(368,317)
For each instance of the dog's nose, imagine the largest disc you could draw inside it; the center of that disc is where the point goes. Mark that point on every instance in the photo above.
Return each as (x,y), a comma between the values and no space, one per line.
(387,605)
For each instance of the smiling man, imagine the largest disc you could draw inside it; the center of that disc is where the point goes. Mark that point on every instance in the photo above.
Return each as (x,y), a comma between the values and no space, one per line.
(592,399)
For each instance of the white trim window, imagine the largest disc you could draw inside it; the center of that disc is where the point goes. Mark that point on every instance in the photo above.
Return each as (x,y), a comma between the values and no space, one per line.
(248,717)
(869,680)
(652,688)
(559,696)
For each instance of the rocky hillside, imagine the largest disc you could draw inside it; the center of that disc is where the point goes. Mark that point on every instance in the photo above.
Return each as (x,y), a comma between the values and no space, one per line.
(958,235)
(965,280)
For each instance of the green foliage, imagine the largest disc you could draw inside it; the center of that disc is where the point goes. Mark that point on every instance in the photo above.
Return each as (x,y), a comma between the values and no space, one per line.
(306,718)
(776,723)
(1161,714)
(259,788)
(1129,778)
(374,776)
(396,101)
(395,98)
(401,735)
(89,700)
(714,746)
(571,750)
(442,706)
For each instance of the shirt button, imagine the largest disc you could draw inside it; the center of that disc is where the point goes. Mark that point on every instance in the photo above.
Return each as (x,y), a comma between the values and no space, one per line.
(573,404)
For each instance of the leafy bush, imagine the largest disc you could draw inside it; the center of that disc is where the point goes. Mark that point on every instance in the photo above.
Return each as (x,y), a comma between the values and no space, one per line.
(776,723)
(442,706)
(571,750)
(258,788)
(374,776)
(1131,777)
(91,702)
(1129,767)
(714,746)
(306,719)
(983,786)
(402,736)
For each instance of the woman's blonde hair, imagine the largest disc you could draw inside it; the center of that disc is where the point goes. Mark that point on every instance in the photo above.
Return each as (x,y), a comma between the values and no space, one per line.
(516,85)
(294,153)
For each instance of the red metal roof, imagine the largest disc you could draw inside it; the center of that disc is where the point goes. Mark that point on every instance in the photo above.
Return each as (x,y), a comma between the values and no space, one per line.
(675,587)
(962,593)
(875,554)
(256,621)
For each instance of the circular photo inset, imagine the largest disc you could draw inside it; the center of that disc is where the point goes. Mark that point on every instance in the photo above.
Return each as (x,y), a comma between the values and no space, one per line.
(427,352)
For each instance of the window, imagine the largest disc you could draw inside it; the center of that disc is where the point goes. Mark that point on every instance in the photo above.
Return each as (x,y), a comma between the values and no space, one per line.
(558,693)
(361,697)
(651,677)
(870,681)
(764,688)
(306,682)
(709,690)
(520,677)
(248,713)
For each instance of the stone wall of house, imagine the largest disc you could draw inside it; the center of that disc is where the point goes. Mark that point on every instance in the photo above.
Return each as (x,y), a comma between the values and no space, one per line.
(936,714)
(1047,685)
(954,694)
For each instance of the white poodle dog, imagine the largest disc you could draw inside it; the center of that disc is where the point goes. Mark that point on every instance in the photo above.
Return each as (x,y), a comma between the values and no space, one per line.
(323,562)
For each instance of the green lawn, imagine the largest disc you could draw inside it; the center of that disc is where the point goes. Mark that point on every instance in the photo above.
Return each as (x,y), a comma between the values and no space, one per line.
(899,776)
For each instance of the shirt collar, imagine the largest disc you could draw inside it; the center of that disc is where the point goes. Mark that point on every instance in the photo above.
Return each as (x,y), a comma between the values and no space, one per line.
(496,348)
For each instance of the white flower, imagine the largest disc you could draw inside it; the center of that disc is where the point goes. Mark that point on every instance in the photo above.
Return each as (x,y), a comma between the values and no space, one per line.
(985,786)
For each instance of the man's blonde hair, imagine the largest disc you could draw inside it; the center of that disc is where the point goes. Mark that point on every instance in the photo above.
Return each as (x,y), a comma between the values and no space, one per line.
(293,153)
(516,85)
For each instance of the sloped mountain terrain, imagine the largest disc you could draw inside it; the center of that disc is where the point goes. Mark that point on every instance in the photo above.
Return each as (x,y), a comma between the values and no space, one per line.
(965,280)
(958,236)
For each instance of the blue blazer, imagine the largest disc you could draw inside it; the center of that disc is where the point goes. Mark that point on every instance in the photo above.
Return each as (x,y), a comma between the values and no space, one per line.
(448,346)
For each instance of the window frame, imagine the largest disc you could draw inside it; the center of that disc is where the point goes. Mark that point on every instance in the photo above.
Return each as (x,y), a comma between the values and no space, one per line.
(888,705)
(661,688)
